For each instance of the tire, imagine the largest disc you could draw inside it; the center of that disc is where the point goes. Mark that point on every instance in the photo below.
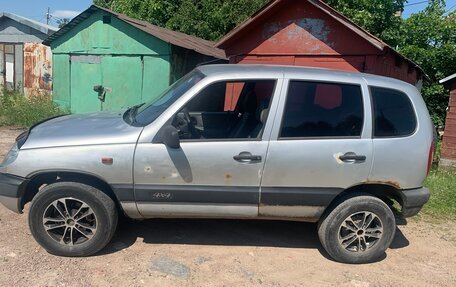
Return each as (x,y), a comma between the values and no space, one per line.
(72,219)
(342,224)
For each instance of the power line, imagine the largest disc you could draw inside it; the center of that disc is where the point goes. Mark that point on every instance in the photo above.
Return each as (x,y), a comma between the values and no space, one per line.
(449,9)
(417,3)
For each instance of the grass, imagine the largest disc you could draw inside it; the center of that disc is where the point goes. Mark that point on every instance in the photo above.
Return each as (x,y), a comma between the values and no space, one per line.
(20,111)
(442,204)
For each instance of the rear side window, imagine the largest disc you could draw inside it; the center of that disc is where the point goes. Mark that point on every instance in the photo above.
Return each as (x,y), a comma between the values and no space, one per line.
(317,109)
(393,113)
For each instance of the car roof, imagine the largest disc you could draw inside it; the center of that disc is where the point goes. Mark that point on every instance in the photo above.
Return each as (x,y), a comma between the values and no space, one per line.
(237,70)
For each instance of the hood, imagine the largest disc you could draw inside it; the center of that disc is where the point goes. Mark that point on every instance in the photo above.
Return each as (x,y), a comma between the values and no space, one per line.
(82,129)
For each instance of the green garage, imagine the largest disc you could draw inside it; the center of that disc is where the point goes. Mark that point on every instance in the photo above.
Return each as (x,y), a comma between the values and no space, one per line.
(106,61)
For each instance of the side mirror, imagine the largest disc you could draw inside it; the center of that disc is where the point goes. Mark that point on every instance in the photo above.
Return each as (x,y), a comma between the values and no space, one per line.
(170,137)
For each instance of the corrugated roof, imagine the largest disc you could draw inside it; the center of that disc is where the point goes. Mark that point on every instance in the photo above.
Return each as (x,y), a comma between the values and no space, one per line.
(45,29)
(173,37)
(271,5)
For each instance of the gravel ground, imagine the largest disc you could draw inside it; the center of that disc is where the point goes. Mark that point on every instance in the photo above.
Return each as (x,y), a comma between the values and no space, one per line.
(222,253)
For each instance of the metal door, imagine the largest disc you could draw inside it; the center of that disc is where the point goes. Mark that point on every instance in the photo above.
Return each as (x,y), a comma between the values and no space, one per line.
(122,82)
(85,74)
(202,178)
(199,179)
(303,175)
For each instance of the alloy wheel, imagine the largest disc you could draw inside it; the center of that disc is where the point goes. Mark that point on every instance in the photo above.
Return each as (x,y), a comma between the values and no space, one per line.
(70,221)
(360,231)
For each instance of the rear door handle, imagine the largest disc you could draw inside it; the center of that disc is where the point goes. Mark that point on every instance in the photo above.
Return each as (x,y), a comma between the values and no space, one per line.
(352,157)
(247,157)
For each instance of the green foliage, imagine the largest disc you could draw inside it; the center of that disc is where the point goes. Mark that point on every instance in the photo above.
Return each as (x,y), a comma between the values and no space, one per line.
(443,198)
(377,16)
(21,111)
(211,19)
(63,22)
(157,12)
(208,19)
(429,39)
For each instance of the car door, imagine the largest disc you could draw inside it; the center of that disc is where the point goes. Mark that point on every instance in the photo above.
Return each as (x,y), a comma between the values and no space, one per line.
(321,145)
(206,177)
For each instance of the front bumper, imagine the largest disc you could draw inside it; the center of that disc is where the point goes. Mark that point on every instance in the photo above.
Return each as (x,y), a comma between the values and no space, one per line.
(11,191)
(413,200)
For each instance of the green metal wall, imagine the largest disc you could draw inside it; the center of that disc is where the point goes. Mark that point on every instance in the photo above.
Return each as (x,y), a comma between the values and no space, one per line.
(61,79)
(132,65)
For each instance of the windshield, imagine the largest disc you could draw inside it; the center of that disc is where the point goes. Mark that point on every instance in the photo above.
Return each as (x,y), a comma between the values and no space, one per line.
(147,113)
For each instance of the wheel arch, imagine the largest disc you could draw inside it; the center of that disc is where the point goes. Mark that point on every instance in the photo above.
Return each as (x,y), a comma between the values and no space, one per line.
(45,177)
(387,192)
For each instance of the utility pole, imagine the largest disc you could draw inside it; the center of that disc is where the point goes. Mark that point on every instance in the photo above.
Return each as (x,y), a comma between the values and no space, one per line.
(48,16)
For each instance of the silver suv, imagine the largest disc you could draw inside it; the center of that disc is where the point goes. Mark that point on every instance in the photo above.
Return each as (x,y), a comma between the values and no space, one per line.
(232,141)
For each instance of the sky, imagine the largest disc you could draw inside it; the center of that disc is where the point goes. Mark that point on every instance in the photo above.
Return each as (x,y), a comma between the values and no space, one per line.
(36,9)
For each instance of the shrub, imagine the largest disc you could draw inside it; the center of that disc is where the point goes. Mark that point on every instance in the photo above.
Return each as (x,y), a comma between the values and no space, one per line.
(21,111)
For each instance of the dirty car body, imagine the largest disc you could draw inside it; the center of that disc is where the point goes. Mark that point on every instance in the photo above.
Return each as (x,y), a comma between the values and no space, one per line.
(239,141)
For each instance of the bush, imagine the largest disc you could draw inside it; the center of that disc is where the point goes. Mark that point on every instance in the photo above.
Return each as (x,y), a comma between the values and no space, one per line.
(21,111)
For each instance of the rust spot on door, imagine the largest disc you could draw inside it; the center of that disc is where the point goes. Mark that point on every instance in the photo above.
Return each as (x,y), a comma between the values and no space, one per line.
(390,183)
(228,178)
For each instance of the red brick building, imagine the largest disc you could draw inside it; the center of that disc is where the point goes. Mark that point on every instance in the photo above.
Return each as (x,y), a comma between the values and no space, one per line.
(448,156)
(311,33)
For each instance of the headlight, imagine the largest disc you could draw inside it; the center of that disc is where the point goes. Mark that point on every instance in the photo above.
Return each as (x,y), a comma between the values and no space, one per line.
(11,155)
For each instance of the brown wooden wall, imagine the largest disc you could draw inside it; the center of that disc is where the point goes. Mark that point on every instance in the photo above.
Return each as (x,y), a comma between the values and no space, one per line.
(449,137)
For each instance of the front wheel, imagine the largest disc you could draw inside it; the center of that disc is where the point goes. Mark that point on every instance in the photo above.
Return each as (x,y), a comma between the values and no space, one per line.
(72,219)
(358,230)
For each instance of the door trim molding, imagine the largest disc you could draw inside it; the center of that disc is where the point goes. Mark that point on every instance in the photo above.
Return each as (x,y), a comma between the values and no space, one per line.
(197,210)
(197,194)
(298,196)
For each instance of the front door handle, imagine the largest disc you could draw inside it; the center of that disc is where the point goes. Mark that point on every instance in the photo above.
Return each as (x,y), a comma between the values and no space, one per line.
(352,157)
(247,157)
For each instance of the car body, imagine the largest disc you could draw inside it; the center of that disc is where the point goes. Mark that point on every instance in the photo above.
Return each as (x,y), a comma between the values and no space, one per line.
(176,157)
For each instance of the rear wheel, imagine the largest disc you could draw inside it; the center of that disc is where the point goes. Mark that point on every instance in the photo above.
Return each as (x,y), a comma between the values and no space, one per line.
(72,219)
(358,230)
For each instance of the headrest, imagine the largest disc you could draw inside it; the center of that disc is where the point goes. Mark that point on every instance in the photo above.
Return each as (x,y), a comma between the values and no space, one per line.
(264,116)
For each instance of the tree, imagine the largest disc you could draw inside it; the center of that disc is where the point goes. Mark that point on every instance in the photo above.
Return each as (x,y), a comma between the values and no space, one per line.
(211,19)
(208,19)
(103,3)
(157,12)
(429,39)
(62,22)
(380,17)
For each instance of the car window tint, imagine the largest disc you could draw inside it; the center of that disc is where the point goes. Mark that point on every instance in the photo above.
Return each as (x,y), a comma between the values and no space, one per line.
(316,109)
(393,113)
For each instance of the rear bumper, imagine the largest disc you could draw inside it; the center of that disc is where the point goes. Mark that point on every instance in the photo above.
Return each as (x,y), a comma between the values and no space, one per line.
(413,200)
(11,191)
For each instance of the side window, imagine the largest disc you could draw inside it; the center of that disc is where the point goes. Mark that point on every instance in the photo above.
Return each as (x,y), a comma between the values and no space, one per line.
(316,109)
(226,110)
(394,115)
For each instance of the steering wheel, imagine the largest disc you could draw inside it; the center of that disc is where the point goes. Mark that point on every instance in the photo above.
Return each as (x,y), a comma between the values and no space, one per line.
(187,116)
(184,124)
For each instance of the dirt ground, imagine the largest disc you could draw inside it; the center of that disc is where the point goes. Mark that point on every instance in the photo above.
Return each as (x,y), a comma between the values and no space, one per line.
(223,253)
